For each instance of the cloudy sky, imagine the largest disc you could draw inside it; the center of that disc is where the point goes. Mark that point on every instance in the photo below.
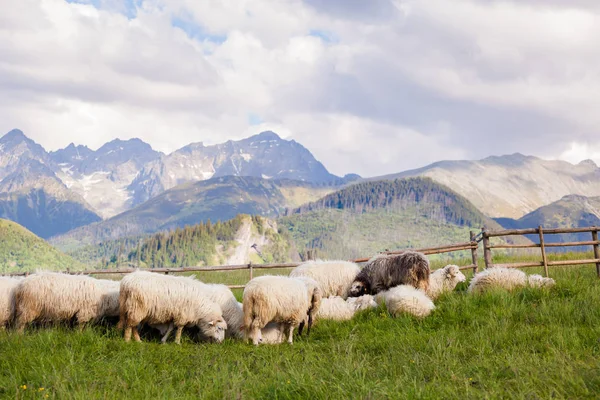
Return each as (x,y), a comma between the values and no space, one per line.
(369,86)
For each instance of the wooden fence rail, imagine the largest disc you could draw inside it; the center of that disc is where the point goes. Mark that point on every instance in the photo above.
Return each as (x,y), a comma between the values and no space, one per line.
(542,245)
(471,246)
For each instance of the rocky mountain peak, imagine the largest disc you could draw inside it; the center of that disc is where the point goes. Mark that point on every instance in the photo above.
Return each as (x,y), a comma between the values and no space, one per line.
(588,163)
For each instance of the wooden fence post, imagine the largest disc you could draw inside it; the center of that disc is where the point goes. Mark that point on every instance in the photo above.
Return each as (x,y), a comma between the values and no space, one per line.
(596,251)
(543,248)
(487,251)
(474,252)
(251,269)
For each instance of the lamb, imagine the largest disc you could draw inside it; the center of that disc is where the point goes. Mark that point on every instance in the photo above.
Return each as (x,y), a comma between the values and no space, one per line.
(444,280)
(7,302)
(279,299)
(406,299)
(55,297)
(162,299)
(507,279)
(383,272)
(334,277)
(338,309)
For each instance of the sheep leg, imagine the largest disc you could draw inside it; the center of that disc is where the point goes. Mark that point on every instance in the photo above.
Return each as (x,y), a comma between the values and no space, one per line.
(310,321)
(290,329)
(136,334)
(127,334)
(178,334)
(300,328)
(167,333)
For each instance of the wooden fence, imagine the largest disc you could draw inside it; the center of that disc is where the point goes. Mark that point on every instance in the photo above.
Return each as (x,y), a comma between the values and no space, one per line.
(251,267)
(472,245)
(542,245)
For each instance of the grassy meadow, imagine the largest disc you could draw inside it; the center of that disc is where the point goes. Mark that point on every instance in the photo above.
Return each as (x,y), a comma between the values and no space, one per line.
(526,344)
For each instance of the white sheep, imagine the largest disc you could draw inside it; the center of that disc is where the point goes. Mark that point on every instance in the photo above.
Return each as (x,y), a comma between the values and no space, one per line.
(55,297)
(162,299)
(406,299)
(334,277)
(7,301)
(279,299)
(338,309)
(538,281)
(444,280)
(505,278)
(233,314)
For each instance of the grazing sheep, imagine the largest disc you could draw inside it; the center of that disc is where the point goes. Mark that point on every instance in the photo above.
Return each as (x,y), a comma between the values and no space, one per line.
(444,280)
(538,281)
(279,299)
(334,277)
(505,278)
(338,309)
(7,302)
(383,272)
(233,313)
(163,299)
(406,299)
(55,297)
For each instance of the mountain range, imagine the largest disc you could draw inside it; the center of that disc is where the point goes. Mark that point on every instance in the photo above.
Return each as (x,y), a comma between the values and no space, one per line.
(513,185)
(53,192)
(78,196)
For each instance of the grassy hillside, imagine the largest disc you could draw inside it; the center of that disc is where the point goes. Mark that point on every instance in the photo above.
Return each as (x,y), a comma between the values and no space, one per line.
(369,217)
(21,250)
(188,204)
(526,344)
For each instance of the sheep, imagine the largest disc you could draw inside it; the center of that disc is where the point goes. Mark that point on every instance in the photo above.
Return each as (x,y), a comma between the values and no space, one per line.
(538,281)
(279,299)
(406,299)
(444,280)
(7,303)
(383,272)
(334,277)
(162,299)
(338,309)
(505,278)
(233,313)
(55,297)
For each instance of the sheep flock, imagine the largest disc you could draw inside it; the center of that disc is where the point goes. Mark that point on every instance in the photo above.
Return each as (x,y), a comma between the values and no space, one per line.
(272,308)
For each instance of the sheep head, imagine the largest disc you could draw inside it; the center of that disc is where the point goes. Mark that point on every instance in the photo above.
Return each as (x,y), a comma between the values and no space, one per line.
(213,330)
(360,287)
(539,281)
(453,274)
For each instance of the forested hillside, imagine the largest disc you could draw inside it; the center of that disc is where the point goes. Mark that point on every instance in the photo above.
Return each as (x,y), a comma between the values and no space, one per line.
(369,217)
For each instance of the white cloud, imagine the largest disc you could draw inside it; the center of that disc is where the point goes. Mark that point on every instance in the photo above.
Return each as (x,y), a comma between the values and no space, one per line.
(369,87)
(582,151)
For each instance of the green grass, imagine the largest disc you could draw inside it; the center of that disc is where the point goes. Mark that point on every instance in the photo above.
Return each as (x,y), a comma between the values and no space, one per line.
(525,344)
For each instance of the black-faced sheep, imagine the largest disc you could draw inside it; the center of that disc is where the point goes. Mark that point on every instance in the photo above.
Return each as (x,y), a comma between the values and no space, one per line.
(386,271)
